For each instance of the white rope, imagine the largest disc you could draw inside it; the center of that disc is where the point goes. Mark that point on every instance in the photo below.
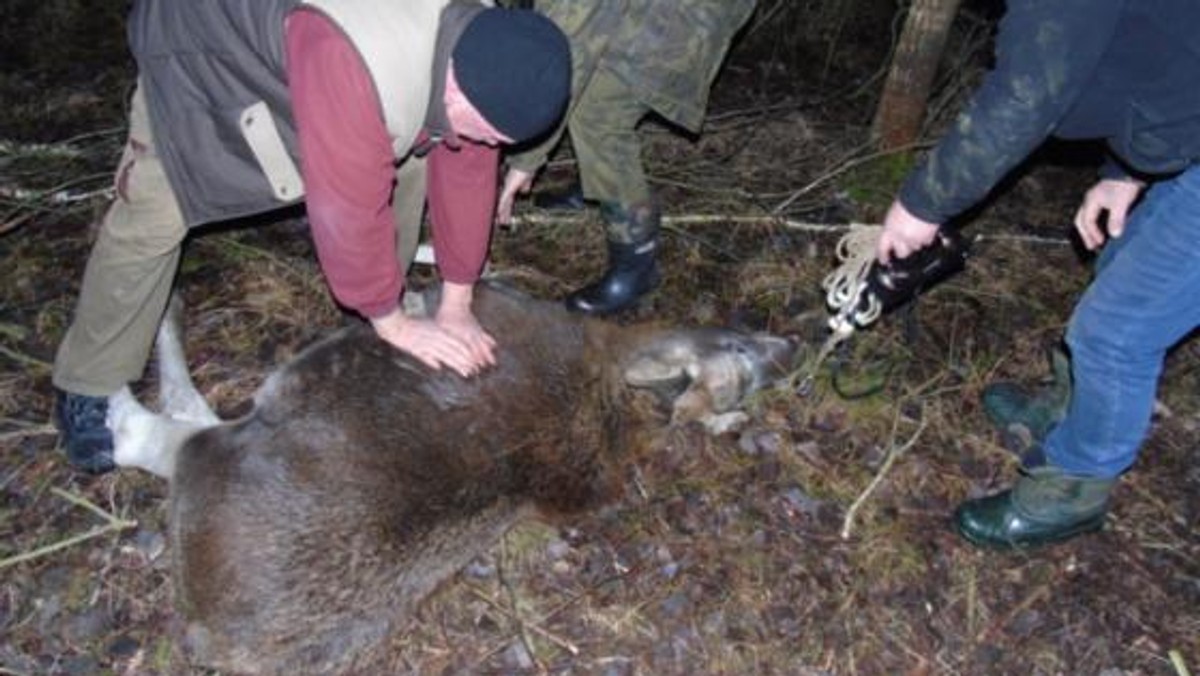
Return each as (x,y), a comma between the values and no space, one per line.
(846,284)
(845,289)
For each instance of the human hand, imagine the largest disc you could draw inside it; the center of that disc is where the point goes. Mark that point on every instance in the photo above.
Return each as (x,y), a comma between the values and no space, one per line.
(427,341)
(903,234)
(455,317)
(515,181)
(1111,195)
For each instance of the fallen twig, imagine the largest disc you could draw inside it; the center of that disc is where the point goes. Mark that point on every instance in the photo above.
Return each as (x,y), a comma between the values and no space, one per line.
(1023,239)
(23,358)
(113,524)
(538,629)
(1039,594)
(12,476)
(65,148)
(33,431)
(893,453)
(15,222)
(548,218)
(59,195)
(559,218)
(1177,662)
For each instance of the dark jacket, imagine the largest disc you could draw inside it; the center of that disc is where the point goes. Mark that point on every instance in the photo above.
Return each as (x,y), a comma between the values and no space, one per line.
(1125,71)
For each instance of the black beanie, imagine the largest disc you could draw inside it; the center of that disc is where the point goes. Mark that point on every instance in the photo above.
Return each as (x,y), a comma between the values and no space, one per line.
(514,66)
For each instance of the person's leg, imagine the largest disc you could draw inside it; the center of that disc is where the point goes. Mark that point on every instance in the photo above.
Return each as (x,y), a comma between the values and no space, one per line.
(1145,299)
(1142,301)
(603,128)
(408,206)
(604,134)
(126,286)
(1024,416)
(591,28)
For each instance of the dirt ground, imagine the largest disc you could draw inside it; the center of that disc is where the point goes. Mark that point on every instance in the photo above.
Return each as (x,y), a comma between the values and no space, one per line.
(727,554)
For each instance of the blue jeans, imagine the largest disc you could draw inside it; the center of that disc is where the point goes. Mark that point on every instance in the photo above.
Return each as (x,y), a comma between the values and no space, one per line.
(1144,299)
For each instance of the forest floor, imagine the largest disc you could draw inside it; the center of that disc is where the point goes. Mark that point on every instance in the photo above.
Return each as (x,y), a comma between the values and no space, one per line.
(733,554)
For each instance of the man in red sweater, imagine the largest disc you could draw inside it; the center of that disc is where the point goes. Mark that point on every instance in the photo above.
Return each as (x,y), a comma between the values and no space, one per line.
(368,111)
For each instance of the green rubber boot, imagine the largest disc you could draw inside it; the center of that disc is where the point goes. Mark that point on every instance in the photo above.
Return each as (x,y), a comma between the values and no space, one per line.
(1046,505)
(1025,416)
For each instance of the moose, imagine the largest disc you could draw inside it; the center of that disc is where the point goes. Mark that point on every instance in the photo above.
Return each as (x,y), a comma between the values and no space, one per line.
(306,532)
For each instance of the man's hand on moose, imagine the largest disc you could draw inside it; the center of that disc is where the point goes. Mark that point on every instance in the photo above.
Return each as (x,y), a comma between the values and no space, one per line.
(429,342)
(454,316)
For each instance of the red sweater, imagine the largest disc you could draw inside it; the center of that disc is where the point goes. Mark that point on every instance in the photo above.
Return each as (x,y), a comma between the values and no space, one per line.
(348,166)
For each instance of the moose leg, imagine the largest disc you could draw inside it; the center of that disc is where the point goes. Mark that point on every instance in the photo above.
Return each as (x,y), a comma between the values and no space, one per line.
(149,440)
(177,393)
(142,438)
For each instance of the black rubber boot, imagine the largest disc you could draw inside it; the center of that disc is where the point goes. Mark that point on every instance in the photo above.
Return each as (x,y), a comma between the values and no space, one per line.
(633,236)
(85,435)
(569,198)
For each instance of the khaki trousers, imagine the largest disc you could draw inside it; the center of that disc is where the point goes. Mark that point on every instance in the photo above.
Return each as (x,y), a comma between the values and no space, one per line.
(132,266)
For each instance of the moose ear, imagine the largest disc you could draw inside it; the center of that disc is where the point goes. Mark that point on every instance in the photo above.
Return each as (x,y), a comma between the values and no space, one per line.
(667,359)
(652,371)
(663,373)
(681,387)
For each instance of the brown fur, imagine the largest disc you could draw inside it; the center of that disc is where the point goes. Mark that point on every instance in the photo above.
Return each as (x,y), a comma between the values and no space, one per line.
(307,532)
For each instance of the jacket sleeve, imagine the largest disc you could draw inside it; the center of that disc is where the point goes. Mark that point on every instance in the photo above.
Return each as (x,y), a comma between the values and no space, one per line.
(347,163)
(1045,54)
(462,205)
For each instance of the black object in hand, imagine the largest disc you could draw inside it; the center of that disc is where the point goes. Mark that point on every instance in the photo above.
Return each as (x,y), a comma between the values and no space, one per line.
(903,279)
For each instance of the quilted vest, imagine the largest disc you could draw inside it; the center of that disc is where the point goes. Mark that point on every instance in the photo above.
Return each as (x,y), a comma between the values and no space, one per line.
(215,83)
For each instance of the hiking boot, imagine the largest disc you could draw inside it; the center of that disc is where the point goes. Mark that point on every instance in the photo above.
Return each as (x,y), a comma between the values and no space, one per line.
(632,262)
(1023,416)
(85,435)
(1046,505)
(569,198)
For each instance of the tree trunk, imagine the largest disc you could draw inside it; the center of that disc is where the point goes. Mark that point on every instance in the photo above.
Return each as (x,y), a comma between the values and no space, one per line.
(906,92)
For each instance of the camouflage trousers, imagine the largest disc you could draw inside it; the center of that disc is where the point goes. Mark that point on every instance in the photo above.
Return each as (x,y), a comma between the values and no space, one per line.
(132,266)
(608,148)
(631,57)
